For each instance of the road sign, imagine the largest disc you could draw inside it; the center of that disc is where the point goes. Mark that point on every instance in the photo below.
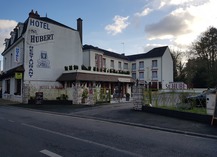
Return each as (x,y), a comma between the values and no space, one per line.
(214,117)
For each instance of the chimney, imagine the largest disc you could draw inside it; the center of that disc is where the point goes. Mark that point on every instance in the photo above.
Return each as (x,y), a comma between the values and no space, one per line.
(34,15)
(79,28)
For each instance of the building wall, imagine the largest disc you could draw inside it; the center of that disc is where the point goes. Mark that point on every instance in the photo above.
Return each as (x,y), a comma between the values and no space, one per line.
(167,66)
(51,90)
(92,54)
(13,57)
(48,49)
(86,58)
(147,70)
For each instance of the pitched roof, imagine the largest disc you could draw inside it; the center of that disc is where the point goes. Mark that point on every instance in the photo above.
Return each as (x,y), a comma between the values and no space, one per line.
(105,52)
(155,52)
(45,19)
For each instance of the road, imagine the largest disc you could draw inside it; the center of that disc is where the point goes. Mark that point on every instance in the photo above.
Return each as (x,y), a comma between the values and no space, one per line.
(25,133)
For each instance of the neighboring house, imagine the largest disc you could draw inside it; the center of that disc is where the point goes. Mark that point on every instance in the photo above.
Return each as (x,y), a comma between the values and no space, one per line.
(46,56)
(101,71)
(154,68)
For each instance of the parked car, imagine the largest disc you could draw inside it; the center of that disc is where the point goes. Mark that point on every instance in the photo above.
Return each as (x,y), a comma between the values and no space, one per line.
(200,99)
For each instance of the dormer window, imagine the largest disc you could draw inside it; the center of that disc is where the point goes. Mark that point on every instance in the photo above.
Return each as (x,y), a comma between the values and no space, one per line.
(20,29)
(7,43)
(12,36)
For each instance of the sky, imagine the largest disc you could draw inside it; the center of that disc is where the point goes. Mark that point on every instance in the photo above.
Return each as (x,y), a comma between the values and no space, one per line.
(121,26)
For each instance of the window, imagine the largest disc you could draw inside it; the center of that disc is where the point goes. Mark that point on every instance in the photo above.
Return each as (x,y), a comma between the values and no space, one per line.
(134,67)
(104,63)
(112,64)
(141,75)
(11,61)
(5,63)
(154,75)
(98,61)
(119,65)
(134,75)
(126,66)
(17,87)
(141,65)
(154,63)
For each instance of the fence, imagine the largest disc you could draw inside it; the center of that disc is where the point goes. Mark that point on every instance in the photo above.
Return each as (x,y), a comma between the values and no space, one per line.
(147,97)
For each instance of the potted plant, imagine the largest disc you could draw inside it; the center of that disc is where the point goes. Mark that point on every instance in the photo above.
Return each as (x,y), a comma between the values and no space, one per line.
(75,67)
(84,95)
(66,68)
(70,67)
(89,68)
(127,96)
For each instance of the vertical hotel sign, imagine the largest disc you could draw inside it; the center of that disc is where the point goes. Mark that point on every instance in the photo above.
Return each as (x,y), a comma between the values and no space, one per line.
(39,33)
(17,55)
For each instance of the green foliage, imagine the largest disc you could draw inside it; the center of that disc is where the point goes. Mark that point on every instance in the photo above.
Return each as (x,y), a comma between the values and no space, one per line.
(70,67)
(62,97)
(127,94)
(192,110)
(66,68)
(75,67)
(204,60)
(85,93)
(83,67)
(89,68)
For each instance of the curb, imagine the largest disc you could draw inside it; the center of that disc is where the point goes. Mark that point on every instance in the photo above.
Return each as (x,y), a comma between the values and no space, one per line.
(151,127)
(126,123)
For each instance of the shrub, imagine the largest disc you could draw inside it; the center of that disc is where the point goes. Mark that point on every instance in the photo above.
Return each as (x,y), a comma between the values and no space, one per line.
(70,67)
(75,67)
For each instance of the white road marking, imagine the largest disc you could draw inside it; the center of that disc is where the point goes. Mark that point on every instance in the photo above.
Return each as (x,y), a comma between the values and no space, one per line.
(49,153)
(83,140)
(11,121)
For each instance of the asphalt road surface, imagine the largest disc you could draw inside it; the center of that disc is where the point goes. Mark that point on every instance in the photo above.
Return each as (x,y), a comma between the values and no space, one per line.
(29,133)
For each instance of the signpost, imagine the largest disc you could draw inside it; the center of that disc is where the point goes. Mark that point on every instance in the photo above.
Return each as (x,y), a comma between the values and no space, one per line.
(215,112)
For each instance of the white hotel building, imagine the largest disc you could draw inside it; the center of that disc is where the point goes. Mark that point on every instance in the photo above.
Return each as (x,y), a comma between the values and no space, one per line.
(43,55)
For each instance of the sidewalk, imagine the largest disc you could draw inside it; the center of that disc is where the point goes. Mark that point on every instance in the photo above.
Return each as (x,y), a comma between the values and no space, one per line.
(123,113)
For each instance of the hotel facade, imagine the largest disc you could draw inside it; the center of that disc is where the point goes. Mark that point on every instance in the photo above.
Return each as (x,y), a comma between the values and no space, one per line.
(43,55)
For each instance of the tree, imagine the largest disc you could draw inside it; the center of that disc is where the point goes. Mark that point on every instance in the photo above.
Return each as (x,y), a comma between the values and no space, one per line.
(178,65)
(205,49)
(196,73)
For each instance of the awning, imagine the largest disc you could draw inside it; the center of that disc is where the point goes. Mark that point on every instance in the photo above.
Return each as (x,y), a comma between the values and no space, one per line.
(80,76)
(12,72)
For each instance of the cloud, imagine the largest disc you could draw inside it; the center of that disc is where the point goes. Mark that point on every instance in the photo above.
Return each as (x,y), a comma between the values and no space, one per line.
(145,12)
(184,23)
(6,26)
(176,23)
(120,23)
